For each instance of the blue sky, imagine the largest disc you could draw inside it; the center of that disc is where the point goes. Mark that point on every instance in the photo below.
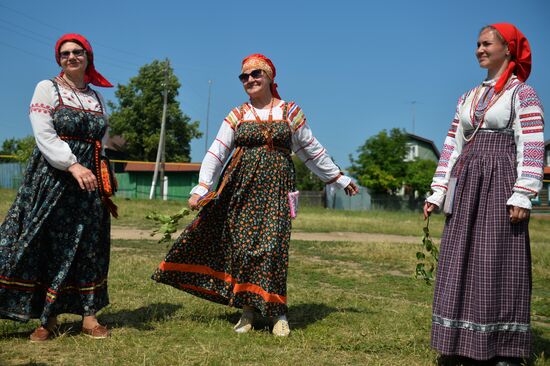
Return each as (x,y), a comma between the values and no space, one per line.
(354,67)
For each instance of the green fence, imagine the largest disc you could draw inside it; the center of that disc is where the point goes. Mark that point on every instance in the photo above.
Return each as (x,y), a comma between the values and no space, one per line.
(138,185)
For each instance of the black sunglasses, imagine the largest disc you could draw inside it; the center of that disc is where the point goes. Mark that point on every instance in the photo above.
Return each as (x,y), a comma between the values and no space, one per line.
(256,74)
(77,53)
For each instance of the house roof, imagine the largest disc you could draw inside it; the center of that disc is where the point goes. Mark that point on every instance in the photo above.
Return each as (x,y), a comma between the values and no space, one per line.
(143,166)
(115,143)
(430,142)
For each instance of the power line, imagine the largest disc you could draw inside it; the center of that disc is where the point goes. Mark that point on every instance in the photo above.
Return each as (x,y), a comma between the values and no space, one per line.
(104,59)
(50,39)
(96,44)
(25,51)
(36,20)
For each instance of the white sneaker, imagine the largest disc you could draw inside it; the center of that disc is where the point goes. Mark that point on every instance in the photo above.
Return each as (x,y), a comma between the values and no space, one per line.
(245,322)
(281,327)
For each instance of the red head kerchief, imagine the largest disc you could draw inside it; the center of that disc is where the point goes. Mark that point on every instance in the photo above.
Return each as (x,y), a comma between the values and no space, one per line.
(259,61)
(91,75)
(519,48)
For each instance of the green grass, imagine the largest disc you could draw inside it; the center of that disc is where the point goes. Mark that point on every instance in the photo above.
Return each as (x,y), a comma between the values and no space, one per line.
(349,304)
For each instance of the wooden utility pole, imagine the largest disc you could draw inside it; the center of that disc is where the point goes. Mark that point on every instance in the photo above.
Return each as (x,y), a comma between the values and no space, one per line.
(413,103)
(207,117)
(161,156)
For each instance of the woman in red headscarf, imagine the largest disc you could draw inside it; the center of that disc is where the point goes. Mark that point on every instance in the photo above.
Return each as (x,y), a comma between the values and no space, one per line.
(490,168)
(54,242)
(236,251)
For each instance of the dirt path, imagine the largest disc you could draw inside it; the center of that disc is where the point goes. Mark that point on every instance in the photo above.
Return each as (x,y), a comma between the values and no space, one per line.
(119,232)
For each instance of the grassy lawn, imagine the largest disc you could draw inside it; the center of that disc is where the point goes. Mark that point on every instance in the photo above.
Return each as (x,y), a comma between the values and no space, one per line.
(349,304)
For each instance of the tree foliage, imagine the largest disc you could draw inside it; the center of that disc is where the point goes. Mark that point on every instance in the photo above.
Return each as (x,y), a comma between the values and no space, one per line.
(419,175)
(305,179)
(21,148)
(381,165)
(137,116)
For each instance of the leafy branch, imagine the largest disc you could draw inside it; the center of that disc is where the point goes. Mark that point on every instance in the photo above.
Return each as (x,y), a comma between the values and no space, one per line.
(168,224)
(427,258)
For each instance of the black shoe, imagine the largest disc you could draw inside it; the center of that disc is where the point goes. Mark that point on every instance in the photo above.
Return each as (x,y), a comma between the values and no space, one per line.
(509,361)
(444,360)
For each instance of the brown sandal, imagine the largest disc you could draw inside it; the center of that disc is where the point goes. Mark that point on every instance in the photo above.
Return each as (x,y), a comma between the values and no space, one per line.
(97,332)
(40,334)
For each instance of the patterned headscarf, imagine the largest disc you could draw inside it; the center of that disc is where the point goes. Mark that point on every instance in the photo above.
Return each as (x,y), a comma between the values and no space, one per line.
(259,61)
(518,45)
(91,75)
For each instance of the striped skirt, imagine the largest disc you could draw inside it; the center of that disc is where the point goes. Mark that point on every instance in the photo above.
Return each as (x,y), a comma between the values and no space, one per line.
(482,295)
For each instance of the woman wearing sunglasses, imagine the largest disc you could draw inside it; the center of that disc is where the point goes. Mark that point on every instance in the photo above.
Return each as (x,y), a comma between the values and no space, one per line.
(55,240)
(490,168)
(236,250)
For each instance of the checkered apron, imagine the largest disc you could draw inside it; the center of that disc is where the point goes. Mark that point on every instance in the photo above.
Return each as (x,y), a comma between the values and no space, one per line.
(482,295)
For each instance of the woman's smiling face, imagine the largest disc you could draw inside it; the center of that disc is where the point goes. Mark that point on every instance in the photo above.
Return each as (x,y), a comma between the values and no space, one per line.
(491,52)
(70,62)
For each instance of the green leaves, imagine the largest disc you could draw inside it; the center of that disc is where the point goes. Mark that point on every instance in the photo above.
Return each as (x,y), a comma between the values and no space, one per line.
(419,175)
(168,224)
(380,164)
(427,258)
(137,116)
(21,148)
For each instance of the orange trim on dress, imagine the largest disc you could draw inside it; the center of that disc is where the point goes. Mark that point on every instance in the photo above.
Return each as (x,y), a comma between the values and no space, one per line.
(237,287)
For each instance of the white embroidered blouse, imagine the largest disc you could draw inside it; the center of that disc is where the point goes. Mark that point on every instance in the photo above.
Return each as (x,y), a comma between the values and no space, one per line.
(304,145)
(44,101)
(528,127)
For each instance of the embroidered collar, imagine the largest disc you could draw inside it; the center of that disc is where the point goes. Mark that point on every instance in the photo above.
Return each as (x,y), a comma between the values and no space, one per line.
(492,82)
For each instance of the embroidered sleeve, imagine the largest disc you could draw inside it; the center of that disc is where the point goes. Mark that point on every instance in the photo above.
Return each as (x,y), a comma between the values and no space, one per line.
(56,151)
(296,116)
(529,136)
(217,155)
(233,118)
(450,152)
(311,152)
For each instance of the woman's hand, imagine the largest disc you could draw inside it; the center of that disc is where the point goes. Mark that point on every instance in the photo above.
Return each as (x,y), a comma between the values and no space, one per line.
(351,189)
(428,208)
(84,176)
(518,214)
(194,201)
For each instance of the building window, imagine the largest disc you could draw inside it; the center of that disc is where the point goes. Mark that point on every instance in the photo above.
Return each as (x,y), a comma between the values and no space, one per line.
(412,152)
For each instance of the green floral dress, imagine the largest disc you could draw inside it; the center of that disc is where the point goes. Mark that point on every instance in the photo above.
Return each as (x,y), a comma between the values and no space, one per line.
(236,250)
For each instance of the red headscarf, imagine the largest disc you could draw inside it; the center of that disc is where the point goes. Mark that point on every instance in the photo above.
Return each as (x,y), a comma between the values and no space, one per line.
(259,61)
(518,45)
(91,75)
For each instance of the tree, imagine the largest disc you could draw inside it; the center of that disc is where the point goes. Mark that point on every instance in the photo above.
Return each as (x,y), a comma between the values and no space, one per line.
(137,116)
(21,148)
(305,179)
(380,165)
(419,175)
(9,147)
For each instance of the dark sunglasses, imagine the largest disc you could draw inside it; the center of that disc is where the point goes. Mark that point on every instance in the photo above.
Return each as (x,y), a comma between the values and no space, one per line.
(76,53)
(256,74)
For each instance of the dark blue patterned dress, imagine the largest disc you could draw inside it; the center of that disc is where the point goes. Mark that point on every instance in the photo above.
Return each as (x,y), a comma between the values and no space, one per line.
(55,240)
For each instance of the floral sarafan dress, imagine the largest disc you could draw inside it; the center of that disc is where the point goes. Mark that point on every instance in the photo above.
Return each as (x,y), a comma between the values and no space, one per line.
(55,240)
(236,250)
